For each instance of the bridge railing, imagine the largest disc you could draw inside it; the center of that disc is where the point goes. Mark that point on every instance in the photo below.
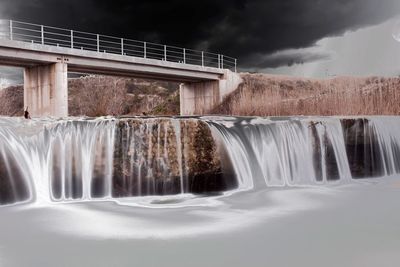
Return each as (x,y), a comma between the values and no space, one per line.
(46,35)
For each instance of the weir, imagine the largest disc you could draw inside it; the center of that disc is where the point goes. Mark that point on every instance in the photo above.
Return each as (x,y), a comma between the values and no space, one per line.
(111,159)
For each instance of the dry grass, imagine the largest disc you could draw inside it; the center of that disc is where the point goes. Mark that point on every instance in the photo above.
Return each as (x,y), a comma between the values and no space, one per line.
(12,101)
(258,95)
(97,96)
(104,95)
(267,95)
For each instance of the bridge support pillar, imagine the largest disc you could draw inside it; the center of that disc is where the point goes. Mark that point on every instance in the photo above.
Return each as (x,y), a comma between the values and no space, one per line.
(46,90)
(200,98)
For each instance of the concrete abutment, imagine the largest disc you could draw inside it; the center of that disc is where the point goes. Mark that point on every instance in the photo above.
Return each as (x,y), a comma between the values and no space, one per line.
(46,90)
(199,98)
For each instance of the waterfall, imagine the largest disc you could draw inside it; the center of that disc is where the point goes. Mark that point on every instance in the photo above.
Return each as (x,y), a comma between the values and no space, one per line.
(306,151)
(164,156)
(56,160)
(108,158)
(373,146)
(145,153)
(79,159)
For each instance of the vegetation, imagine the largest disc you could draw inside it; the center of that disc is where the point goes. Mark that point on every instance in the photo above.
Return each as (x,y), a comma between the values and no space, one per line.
(12,101)
(171,106)
(258,95)
(104,95)
(267,95)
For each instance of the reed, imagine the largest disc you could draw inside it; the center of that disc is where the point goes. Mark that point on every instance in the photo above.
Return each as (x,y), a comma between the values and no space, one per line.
(268,95)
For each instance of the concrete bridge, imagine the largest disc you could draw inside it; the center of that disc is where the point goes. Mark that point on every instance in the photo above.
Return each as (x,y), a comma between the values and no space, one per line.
(48,53)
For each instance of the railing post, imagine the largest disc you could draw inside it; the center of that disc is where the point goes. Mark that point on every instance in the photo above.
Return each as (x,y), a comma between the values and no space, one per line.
(207,59)
(42,33)
(235,65)
(72,39)
(11,30)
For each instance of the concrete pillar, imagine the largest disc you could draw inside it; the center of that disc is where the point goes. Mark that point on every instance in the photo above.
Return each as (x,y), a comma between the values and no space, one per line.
(201,97)
(46,90)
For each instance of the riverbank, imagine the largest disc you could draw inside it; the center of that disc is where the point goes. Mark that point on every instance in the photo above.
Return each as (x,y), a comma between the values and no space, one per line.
(96,96)
(258,95)
(273,95)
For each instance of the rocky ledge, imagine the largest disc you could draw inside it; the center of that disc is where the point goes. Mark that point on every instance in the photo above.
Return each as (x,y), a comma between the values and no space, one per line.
(159,156)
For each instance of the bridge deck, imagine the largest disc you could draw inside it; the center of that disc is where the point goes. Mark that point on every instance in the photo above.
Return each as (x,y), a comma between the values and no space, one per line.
(22,54)
(25,44)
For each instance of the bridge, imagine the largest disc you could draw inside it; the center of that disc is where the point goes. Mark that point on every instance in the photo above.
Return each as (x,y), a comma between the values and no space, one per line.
(47,54)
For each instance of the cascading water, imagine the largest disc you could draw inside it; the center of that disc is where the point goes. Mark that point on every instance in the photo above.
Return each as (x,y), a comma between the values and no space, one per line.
(57,160)
(218,185)
(307,151)
(145,162)
(79,159)
(84,159)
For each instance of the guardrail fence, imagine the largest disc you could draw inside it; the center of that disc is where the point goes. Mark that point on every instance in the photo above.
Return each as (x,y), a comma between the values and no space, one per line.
(46,35)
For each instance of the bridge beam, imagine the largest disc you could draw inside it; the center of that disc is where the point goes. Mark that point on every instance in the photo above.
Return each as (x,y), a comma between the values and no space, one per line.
(46,90)
(199,98)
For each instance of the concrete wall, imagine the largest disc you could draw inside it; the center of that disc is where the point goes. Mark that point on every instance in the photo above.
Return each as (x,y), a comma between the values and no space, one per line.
(46,90)
(199,98)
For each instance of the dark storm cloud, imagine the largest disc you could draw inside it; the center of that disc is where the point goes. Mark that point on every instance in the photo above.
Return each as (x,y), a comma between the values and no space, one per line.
(286,58)
(243,29)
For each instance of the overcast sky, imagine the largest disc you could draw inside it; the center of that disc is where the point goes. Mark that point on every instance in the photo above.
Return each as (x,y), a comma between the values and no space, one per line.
(308,37)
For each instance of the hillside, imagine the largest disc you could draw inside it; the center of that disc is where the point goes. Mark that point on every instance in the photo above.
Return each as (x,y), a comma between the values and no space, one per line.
(103,95)
(12,101)
(258,95)
(272,95)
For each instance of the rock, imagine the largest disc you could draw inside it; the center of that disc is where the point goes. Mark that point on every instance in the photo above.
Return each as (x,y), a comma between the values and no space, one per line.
(188,160)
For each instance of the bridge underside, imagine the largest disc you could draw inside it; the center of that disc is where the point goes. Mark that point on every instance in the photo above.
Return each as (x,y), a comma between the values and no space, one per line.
(46,76)
(199,98)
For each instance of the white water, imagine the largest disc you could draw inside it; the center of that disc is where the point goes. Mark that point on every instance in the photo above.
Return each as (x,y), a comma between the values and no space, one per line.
(299,200)
(74,159)
(299,151)
(58,160)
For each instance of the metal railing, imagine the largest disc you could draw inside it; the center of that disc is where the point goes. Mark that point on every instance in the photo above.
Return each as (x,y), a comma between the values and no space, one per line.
(46,35)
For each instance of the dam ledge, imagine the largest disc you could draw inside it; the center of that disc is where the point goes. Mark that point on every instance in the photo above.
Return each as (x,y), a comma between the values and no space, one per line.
(84,159)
